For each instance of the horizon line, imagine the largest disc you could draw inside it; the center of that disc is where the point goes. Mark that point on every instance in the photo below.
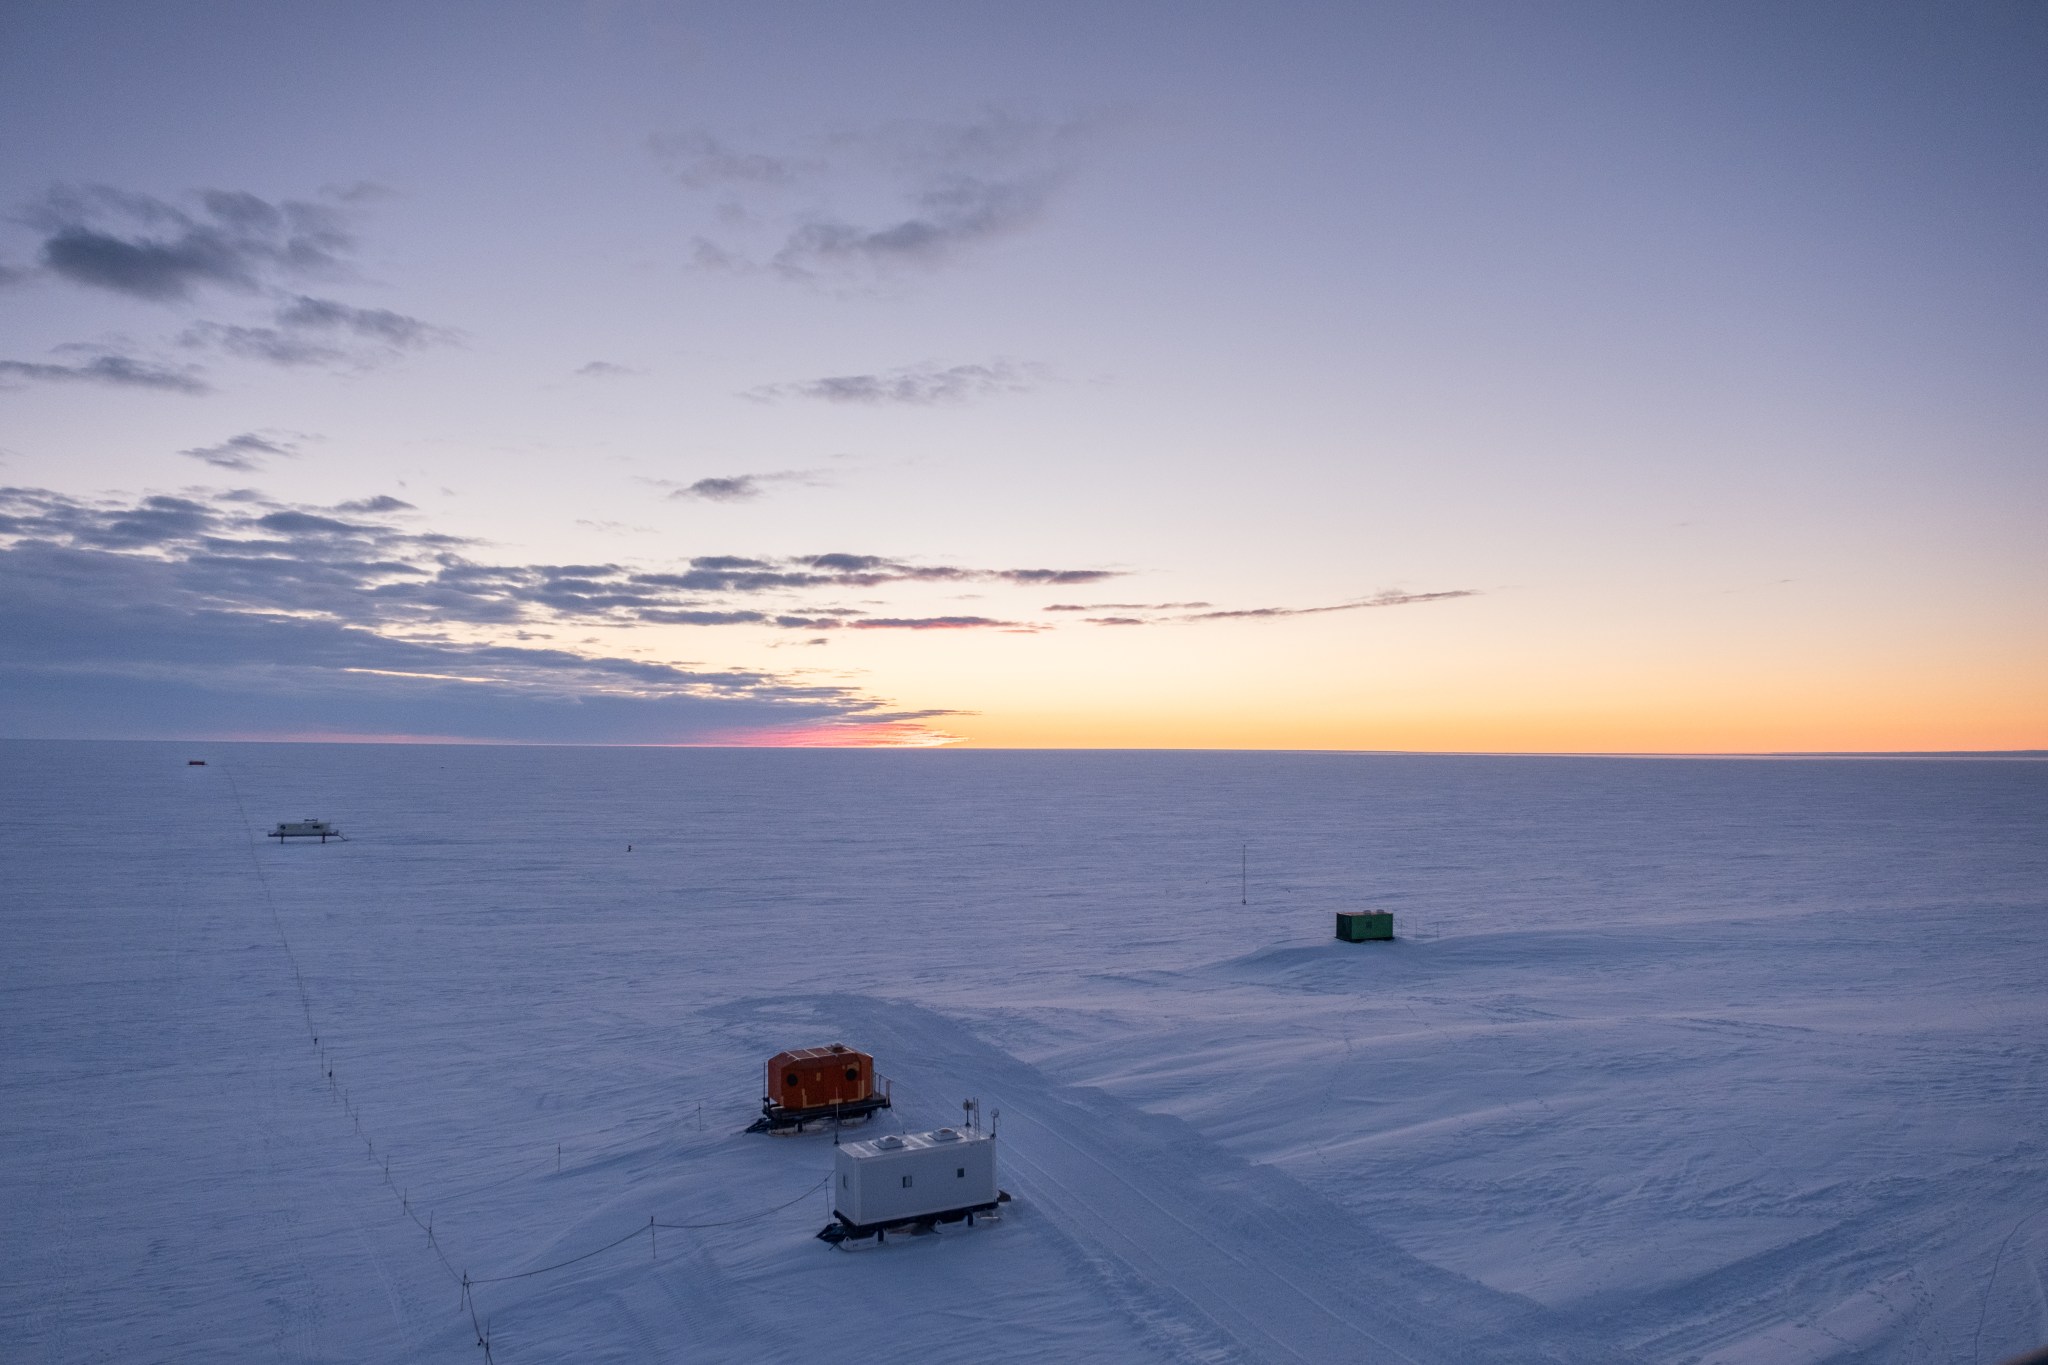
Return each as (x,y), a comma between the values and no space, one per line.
(451,741)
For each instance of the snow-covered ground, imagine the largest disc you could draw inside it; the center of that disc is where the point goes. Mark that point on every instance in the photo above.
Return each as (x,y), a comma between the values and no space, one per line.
(1716,1061)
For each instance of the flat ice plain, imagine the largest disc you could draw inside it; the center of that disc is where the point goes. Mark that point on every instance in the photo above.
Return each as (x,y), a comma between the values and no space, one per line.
(1674,1060)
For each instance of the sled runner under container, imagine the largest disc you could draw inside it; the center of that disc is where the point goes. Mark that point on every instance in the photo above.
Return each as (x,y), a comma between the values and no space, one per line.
(815,1083)
(917,1180)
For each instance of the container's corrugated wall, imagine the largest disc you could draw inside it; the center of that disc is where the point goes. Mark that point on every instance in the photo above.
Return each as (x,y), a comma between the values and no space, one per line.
(868,1186)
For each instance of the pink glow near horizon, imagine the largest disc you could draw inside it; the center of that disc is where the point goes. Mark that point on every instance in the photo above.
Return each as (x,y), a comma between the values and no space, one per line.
(896,734)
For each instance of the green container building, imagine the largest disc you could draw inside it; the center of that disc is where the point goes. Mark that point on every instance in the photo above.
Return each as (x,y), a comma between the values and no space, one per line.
(1356,926)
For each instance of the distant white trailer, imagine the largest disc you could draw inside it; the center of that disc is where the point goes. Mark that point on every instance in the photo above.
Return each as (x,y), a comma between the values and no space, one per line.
(918,1179)
(308,828)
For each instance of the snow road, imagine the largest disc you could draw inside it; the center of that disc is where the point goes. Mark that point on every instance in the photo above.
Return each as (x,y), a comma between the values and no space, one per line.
(1221,1259)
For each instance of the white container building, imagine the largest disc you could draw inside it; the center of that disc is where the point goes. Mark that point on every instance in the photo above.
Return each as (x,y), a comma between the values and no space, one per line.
(913,1176)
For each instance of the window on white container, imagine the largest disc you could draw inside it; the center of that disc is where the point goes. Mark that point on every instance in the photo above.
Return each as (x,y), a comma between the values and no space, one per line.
(961,1173)
(906,1182)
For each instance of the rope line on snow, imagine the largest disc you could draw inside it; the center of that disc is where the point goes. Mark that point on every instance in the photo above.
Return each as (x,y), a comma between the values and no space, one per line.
(526,1274)
(270,901)
(481,1325)
(752,1217)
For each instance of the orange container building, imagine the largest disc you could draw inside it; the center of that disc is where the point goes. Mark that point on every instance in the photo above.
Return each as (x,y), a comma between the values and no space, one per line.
(814,1079)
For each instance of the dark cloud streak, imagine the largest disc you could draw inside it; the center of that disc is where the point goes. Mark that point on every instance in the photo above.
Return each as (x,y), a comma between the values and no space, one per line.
(952,214)
(1385,599)
(242,453)
(915,385)
(738,488)
(116,371)
(312,331)
(742,487)
(395,330)
(147,248)
(1130,606)
(930,623)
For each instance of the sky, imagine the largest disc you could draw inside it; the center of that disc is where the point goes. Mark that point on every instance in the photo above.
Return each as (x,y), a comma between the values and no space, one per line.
(1499,377)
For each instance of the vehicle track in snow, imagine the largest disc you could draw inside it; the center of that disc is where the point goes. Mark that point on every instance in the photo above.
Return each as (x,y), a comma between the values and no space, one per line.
(1195,1275)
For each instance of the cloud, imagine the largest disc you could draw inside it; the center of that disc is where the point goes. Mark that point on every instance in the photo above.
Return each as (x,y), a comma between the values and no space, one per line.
(839,569)
(233,614)
(244,552)
(1130,606)
(118,371)
(1040,577)
(236,551)
(312,331)
(1177,612)
(668,617)
(740,487)
(164,252)
(916,385)
(268,344)
(706,254)
(955,212)
(242,453)
(1384,599)
(396,330)
(603,369)
(700,161)
(148,248)
(929,623)
(865,204)
(96,656)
